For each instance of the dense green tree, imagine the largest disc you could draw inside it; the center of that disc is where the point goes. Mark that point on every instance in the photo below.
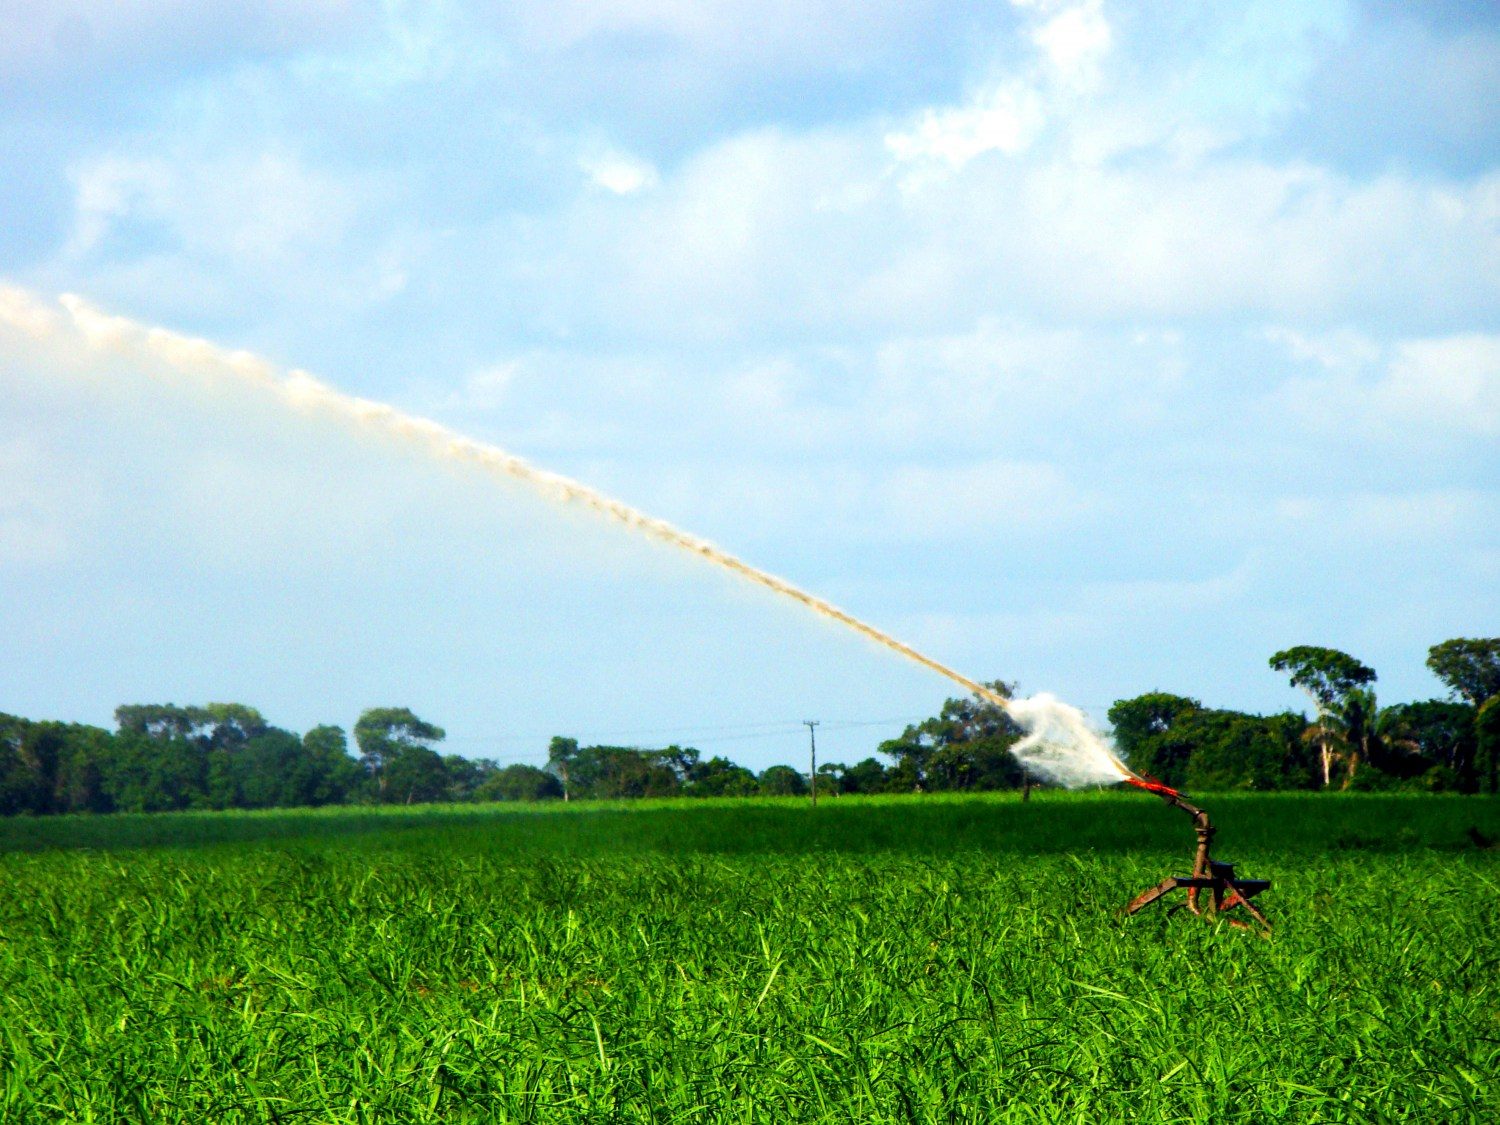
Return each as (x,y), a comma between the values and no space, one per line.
(1233,750)
(1470,666)
(1179,741)
(519,783)
(614,772)
(414,776)
(1354,722)
(1487,745)
(327,741)
(867,776)
(1330,678)
(223,776)
(22,789)
(335,777)
(782,781)
(152,773)
(1143,734)
(396,747)
(228,726)
(830,778)
(719,777)
(966,746)
(81,768)
(1326,674)
(1416,737)
(272,770)
(462,776)
(48,766)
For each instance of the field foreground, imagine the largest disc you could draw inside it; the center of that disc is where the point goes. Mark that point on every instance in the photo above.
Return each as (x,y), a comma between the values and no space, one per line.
(900,959)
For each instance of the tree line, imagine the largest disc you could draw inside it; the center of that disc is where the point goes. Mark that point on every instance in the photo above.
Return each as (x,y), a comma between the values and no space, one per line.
(164,757)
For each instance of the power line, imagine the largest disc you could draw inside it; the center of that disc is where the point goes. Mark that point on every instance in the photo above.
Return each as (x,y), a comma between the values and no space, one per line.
(696,733)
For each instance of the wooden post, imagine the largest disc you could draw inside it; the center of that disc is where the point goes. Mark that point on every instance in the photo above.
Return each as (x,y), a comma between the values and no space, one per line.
(812,738)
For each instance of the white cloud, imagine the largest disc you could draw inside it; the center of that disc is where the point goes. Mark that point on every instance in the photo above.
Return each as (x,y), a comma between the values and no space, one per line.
(772,231)
(1004,119)
(1009,114)
(1451,384)
(1430,391)
(619,172)
(1075,42)
(242,232)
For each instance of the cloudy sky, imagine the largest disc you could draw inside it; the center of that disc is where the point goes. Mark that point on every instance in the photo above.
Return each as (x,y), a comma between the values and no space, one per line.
(1104,347)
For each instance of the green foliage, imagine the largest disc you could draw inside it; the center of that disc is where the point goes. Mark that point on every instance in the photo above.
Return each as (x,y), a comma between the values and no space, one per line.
(1415,737)
(1239,751)
(82,768)
(933,959)
(1177,740)
(719,777)
(519,783)
(22,788)
(614,772)
(154,773)
(1487,745)
(395,746)
(1144,735)
(782,781)
(966,746)
(1470,666)
(1326,674)
(867,776)
(335,776)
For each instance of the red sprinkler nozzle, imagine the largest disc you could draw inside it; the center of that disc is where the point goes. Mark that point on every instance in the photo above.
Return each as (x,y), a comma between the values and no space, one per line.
(1153,787)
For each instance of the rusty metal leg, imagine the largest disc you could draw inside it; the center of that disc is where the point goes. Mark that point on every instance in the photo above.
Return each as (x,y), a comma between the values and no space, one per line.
(1148,897)
(1255,913)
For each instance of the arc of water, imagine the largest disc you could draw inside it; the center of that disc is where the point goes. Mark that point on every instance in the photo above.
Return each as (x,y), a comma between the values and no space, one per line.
(302,391)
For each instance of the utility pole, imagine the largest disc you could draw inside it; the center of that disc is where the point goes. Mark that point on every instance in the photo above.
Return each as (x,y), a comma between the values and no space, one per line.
(812,737)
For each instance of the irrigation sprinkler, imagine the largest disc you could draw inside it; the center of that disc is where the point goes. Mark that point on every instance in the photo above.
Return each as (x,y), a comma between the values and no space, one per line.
(1226,890)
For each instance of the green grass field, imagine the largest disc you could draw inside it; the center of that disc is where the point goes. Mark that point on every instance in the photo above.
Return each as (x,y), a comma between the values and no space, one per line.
(899,959)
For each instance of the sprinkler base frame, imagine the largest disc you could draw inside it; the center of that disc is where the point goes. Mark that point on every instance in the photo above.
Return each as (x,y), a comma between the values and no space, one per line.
(1226,890)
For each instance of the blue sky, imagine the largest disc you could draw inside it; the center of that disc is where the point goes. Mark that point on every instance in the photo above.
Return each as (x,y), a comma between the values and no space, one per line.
(1103,347)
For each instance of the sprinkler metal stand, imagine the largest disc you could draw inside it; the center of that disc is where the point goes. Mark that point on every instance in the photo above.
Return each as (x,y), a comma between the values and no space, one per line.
(1226,889)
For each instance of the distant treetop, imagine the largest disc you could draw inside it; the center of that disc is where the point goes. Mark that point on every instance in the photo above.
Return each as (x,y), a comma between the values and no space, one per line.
(1470,666)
